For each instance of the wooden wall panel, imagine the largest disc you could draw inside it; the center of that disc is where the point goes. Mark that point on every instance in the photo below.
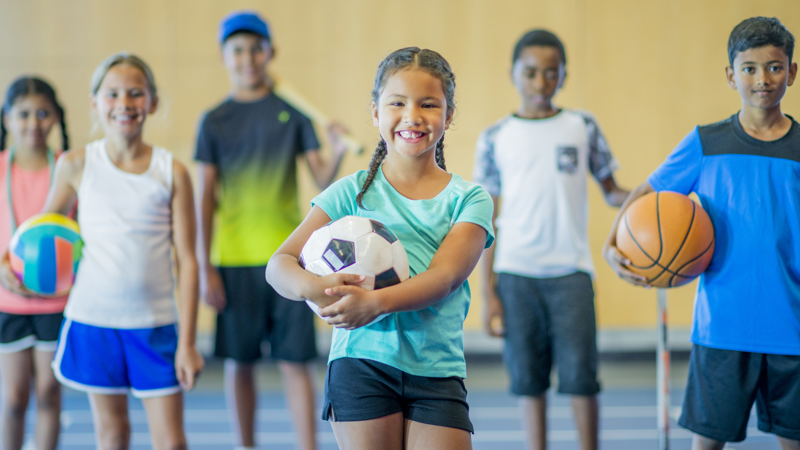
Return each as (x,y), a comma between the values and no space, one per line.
(649,71)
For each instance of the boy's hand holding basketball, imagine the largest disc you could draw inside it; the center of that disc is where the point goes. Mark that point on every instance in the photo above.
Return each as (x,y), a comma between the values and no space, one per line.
(618,262)
(611,253)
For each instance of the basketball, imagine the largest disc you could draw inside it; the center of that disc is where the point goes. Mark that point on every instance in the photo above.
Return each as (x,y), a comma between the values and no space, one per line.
(668,238)
(44,253)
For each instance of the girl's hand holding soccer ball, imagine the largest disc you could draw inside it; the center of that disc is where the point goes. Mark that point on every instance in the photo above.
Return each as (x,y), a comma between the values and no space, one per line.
(357,307)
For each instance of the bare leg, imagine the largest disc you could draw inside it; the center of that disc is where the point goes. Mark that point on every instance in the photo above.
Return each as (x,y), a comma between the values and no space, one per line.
(534,421)
(384,433)
(584,407)
(48,402)
(240,393)
(704,443)
(15,372)
(788,444)
(420,436)
(111,424)
(165,419)
(300,397)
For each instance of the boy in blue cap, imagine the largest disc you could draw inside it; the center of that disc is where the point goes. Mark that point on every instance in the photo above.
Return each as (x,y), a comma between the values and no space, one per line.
(247,150)
(744,169)
(537,277)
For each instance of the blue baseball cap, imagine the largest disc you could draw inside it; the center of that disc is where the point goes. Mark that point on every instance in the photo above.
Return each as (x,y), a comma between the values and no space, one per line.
(242,21)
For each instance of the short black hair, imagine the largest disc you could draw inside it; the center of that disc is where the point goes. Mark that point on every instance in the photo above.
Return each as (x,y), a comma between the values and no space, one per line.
(539,37)
(758,32)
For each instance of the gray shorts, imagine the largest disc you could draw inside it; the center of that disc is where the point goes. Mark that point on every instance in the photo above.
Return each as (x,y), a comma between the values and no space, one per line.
(549,321)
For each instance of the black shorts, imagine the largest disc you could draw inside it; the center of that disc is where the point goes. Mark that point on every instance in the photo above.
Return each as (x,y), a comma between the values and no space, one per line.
(21,332)
(254,313)
(549,321)
(723,384)
(361,389)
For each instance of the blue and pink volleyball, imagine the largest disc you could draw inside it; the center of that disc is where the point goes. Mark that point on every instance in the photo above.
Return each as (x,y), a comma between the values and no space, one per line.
(44,253)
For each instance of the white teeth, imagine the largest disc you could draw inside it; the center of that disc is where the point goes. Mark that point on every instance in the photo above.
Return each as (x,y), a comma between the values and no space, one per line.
(410,134)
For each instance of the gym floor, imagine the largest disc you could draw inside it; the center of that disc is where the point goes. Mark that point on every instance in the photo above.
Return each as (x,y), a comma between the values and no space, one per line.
(627,410)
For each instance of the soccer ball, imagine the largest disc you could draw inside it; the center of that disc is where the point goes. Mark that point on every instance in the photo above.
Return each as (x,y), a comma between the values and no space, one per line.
(356,245)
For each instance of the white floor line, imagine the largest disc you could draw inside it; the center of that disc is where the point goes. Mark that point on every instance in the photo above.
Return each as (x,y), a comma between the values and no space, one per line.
(198,439)
(199,416)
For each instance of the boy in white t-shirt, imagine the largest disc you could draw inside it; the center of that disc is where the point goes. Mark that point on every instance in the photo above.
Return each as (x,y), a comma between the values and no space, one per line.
(537,277)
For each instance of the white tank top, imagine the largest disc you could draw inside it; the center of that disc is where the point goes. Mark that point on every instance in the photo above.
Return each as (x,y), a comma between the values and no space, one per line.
(125,277)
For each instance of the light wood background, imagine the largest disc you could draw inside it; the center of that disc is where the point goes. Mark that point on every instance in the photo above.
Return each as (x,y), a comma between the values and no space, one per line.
(648,70)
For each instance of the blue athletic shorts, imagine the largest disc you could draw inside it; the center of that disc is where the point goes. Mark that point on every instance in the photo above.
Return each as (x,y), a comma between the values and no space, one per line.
(117,361)
(361,389)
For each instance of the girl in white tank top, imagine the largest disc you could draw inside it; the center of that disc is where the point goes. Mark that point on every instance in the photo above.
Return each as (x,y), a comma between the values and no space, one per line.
(135,204)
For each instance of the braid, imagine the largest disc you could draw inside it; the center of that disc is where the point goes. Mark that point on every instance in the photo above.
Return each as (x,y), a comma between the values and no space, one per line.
(63,124)
(439,155)
(2,128)
(377,159)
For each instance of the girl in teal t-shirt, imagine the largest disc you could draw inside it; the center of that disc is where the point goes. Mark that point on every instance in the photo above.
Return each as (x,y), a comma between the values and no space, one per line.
(398,383)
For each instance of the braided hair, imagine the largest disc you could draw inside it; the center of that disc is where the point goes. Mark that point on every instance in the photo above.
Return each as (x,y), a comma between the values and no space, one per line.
(410,57)
(29,85)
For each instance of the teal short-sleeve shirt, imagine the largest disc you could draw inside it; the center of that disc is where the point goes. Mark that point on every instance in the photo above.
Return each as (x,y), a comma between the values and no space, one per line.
(428,342)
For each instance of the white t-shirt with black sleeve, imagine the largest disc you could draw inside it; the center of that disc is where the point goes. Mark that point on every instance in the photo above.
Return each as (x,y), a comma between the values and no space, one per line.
(539,170)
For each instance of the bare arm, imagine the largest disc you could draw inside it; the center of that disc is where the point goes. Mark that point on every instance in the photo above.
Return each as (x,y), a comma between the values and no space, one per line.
(492,309)
(292,281)
(211,288)
(610,252)
(614,195)
(67,180)
(188,361)
(455,259)
(324,170)
(60,199)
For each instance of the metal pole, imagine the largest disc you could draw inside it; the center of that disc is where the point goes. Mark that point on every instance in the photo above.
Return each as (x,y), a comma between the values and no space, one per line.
(662,367)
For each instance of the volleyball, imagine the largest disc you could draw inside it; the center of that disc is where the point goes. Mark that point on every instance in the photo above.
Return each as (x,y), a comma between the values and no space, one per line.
(356,245)
(44,253)
(668,238)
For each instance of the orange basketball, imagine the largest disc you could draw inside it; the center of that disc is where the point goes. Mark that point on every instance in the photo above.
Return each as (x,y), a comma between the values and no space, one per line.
(668,238)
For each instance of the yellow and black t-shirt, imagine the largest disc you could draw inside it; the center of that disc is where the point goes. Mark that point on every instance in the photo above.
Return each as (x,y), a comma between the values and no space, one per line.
(255,147)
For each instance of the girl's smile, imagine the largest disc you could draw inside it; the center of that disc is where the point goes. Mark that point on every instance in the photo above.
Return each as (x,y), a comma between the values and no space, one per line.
(123,100)
(412,113)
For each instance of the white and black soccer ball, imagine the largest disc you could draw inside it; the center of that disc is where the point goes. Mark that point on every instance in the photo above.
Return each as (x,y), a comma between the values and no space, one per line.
(356,245)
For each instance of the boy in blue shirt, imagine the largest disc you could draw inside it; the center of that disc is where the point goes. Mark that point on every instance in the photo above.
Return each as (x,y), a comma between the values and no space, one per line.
(746,330)
(247,150)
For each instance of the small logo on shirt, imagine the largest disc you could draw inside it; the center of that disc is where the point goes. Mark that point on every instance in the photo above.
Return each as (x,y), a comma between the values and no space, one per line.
(567,158)
(283,117)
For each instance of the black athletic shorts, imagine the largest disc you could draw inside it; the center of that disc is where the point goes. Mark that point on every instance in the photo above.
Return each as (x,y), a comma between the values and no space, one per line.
(255,313)
(549,321)
(362,389)
(20,332)
(723,384)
